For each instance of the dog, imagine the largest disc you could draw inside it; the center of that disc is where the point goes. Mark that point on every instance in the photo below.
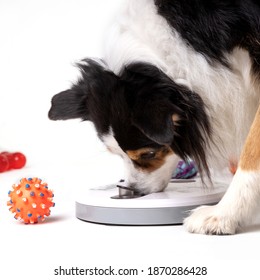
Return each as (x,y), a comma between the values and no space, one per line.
(179,79)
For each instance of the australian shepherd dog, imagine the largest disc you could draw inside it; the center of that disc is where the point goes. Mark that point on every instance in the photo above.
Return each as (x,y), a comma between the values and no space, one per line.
(179,79)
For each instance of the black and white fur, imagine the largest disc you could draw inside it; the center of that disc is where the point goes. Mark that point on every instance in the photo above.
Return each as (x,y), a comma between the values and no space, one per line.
(178,79)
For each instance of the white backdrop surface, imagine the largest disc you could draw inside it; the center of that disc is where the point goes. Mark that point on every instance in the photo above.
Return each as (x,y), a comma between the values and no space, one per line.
(39,42)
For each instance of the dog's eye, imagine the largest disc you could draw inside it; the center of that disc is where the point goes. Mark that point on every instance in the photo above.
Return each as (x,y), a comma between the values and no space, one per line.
(148,155)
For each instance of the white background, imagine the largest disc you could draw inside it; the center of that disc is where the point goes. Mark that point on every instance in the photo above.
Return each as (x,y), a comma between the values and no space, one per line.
(39,42)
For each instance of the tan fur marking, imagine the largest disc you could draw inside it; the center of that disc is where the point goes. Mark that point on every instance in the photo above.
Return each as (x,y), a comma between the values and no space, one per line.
(135,154)
(250,157)
(149,165)
(175,119)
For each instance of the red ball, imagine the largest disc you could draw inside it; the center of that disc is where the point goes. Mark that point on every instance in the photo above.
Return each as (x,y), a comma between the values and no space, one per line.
(8,156)
(4,164)
(17,160)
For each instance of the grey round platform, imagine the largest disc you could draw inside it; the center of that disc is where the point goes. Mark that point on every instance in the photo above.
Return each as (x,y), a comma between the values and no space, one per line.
(164,208)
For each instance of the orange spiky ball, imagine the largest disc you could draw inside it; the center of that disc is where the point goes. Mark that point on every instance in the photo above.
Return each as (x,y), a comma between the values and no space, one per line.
(30,200)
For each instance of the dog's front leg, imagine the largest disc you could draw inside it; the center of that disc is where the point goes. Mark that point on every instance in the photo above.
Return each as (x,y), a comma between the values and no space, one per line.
(238,205)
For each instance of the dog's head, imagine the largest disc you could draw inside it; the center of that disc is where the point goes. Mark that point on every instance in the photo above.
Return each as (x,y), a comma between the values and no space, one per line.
(140,114)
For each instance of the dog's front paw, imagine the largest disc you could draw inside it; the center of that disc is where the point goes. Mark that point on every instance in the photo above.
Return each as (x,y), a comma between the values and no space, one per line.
(210,220)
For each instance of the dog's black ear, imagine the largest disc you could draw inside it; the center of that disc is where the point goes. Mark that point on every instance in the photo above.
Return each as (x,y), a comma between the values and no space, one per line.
(169,113)
(152,111)
(69,104)
(179,121)
(86,94)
